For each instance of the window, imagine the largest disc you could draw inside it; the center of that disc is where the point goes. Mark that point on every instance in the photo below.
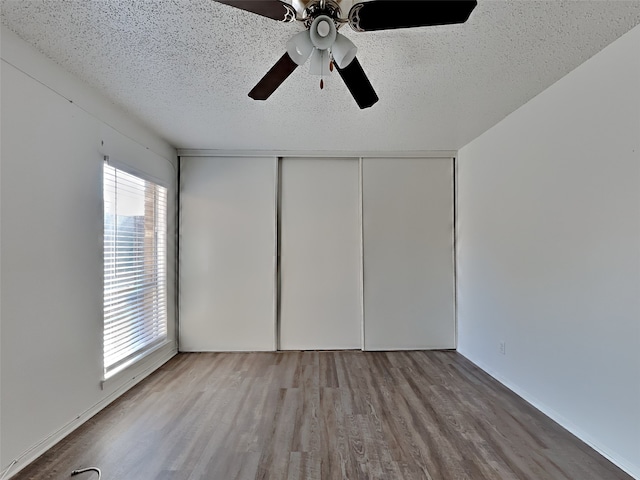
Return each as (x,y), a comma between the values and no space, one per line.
(135,285)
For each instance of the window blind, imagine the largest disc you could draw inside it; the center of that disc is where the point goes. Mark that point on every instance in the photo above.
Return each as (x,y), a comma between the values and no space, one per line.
(135,250)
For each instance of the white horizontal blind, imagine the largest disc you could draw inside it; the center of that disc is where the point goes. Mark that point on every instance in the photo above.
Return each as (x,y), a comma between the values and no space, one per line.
(135,285)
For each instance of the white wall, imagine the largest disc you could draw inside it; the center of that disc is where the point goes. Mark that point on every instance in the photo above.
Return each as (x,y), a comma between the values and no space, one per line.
(549,251)
(55,132)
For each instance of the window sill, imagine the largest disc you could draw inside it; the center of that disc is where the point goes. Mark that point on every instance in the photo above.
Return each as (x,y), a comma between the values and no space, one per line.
(140,365)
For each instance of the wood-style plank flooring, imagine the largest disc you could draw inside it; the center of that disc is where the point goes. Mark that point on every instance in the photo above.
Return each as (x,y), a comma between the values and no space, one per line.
(322,415)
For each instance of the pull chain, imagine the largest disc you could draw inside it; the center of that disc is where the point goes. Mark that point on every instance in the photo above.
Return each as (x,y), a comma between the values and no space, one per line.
(322,73)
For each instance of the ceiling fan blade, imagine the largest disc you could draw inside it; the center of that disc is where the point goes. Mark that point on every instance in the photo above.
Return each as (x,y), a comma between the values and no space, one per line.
(274,78)
(390,14)
(358,84)
(274,9)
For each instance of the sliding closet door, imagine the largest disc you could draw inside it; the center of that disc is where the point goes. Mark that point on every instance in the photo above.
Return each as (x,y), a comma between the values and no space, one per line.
(227,254)
(320,256)
(408,253)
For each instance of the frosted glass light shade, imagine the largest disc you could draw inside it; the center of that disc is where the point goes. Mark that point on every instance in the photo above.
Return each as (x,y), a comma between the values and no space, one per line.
(320,36)
(343,51)
(319,62)
(299,47)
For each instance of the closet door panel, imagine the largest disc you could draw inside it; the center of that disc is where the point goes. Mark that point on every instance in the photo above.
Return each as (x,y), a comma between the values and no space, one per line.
(227,254)
(320,255)
(408,253)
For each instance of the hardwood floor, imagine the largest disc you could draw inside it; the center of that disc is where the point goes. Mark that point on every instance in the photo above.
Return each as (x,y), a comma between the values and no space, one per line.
(322,415)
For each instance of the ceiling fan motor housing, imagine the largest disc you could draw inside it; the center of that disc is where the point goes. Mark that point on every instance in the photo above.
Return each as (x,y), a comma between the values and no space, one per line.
(330,8)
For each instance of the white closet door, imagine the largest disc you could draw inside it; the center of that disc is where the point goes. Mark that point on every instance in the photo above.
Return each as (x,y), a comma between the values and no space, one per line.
(408,253)
(320,255)
(227,254)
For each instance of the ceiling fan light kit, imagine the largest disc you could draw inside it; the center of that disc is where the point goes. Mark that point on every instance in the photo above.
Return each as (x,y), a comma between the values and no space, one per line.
(319,62)
(300,47)
(343,51)
(321,40)
(323,32)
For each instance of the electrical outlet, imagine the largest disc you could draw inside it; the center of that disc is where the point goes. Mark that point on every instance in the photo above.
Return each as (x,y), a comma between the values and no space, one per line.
(503,348)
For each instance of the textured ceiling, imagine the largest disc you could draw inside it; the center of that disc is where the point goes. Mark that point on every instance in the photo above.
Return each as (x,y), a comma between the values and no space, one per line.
(184,68)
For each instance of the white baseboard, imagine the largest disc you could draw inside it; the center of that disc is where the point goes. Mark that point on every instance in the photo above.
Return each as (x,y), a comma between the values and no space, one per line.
(628,467)
(41,447)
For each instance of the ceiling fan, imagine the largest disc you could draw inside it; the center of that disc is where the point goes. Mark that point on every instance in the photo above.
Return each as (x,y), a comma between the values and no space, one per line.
(328,48)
